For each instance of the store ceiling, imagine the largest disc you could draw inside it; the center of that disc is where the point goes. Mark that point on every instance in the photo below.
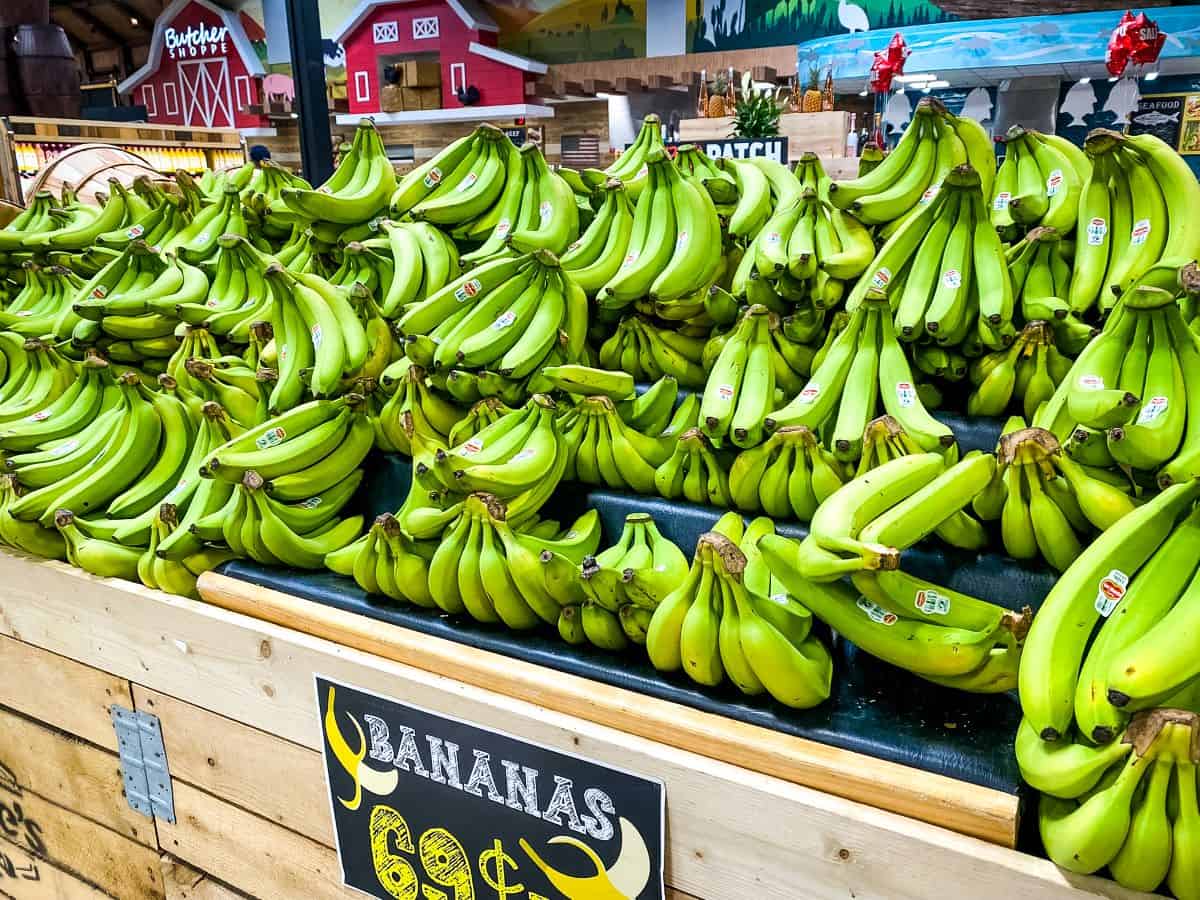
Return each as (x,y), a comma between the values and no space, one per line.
(106,24)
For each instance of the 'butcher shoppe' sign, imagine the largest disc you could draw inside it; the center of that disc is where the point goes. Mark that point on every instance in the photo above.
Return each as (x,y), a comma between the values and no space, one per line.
(427,807)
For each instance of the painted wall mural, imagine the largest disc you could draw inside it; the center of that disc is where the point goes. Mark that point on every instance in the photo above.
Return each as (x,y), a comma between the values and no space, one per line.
(561,31)
(738,24)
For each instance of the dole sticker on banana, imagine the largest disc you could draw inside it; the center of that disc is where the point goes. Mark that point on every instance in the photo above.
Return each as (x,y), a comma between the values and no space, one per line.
(877,613)
(1111,592)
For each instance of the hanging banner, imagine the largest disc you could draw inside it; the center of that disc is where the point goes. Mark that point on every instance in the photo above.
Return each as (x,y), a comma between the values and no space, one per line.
(426,806)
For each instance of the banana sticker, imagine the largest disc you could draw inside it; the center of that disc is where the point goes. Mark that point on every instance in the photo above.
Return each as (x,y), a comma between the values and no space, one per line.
(375,782)
(625,880)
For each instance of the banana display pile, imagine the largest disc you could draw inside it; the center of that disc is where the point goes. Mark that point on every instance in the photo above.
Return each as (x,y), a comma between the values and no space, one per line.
(198,370)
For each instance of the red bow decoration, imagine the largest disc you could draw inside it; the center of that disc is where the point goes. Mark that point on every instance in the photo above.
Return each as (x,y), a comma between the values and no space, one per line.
(888,63)
(1135,39)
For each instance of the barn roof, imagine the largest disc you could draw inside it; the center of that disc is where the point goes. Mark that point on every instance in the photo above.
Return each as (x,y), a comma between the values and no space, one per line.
(472,14)
(524,63)
(230,19)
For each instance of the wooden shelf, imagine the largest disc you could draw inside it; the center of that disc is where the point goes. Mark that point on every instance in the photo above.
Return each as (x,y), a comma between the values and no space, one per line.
(234,695)
(118,142)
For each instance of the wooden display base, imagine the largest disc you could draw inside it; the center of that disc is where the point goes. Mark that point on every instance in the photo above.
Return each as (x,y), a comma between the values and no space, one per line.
(234,695)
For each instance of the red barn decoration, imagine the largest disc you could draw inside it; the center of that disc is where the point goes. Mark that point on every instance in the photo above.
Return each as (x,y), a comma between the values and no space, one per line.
(202,70)
(434,61)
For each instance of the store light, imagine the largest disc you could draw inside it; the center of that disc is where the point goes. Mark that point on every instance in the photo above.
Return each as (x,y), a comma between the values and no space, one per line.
(1085,80)
(1151,76)
(940,83)
(1113,78)
(864,93)
(913,79)
(927,88)
(133,20)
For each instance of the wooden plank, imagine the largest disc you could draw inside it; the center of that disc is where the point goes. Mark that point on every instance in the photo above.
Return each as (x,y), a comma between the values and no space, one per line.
(597,86)
(57,690)
(80,847)
(732,833)
(250,853)
(70,773)
(182,882)
(25,877)
(966,808)
(629,85)
(272,777)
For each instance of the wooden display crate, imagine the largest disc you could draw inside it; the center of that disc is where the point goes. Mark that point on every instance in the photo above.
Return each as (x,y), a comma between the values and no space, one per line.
(234,698)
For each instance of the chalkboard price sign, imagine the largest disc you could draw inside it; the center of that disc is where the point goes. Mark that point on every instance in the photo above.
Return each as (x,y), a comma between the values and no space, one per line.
(428,807)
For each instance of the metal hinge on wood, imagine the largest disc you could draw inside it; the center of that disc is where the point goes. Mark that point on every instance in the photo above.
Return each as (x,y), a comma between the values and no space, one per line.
(143,763)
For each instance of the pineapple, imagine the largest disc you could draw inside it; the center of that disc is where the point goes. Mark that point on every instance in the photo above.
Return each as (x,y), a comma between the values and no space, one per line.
(716,100)
(812,94)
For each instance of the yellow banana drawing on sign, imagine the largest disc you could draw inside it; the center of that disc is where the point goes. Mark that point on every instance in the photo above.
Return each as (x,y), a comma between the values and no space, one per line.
(626,878)
(379,783)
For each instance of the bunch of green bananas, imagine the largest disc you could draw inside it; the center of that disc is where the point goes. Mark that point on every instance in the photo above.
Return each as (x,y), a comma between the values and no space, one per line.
(865,523)
(196,242)
(43,305)
(669,252)
(630,168)
(944,271)
(603,449)
(35,219)
(941,635)
(167,218)
(128,522)
(730,617)
(1039,266)
(1131,805)
(537,210)
(598,254)
(1136,209)
(78,225)
(1095,585)
(288,478)
(694,471)
(619,588)
(492,569)
(414,407)
(519,458)
(762,186)
(1124,401)
(1038,183)
(787,477)
(509,317)
(751,367)
(357,191)
(862,365)
(1025,375)
(132,301)
(261,185)
(488,193)
(646,351)
(386,561)
(301,252)
(237,296)
(935,142)
(805,244)
(325,336)
(704,173)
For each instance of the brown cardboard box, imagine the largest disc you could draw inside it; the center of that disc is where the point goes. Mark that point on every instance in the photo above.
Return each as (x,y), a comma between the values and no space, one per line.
(422,98)
(391,98)
(415,73)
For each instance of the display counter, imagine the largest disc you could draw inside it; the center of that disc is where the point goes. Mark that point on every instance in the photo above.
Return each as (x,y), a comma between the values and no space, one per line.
(231,684)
